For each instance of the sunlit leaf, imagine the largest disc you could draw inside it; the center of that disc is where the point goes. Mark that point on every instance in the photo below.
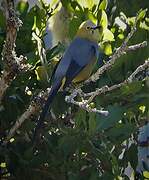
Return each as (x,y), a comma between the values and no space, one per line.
(143,25)
(146,174)
(108,35)
(103,5)
(12,140)
(102,18)
(121,36)
(142,108)
(41,73)
(142,14)
(107,48)
(87,3)
(147,19)
(131,21)
(3,165)
(23,7)
(53,3)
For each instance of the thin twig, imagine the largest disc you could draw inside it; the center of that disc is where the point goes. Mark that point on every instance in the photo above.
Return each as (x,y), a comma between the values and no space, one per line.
(106,89)
(83,104)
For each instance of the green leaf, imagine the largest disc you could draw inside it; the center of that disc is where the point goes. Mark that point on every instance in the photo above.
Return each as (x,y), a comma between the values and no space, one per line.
(102,18)
(131,156)
(53,2)
(121,36)
(131,20)
(2,20)
(73,26)
(120,133)
(92,123)
(80,119)
(103,5)
(147,19)
(146,174)
(108,35)
(143,25)
(131,88)
(22,7)
(54,52)
(41,73)
(107,49)
(115,115)
(142,14)
(87,3)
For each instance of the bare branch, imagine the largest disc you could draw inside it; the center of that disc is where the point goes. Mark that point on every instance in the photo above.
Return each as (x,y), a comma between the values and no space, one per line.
(140,68)
(137,46)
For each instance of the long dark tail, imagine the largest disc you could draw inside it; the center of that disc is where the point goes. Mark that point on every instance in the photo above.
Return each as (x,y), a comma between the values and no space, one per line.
(45,109)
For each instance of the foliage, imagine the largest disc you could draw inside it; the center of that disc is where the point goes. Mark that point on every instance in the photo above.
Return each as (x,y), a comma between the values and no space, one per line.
(77,145)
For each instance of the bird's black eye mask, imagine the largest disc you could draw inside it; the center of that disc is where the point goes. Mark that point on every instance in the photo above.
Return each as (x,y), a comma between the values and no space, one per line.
(96,27)
(93,28)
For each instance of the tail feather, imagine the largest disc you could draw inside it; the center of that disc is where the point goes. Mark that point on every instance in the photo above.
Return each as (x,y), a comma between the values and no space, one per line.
(45,109)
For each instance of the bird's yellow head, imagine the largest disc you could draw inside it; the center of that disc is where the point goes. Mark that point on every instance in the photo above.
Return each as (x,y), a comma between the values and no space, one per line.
(90,31)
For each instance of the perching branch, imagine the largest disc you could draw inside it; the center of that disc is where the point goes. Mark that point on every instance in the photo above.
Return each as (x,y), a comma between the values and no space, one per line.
(12,63)
(85,104)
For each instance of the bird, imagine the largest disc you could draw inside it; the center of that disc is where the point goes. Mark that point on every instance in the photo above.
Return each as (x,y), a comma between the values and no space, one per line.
(60,19)
(76,64)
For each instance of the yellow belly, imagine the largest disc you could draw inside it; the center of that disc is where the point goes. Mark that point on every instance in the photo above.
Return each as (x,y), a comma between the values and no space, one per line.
(85,73)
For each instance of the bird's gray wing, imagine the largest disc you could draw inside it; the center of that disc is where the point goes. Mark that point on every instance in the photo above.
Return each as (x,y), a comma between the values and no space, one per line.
(82,52)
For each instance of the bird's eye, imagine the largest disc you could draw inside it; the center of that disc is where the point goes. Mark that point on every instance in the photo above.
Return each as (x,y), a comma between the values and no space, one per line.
(87,27)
